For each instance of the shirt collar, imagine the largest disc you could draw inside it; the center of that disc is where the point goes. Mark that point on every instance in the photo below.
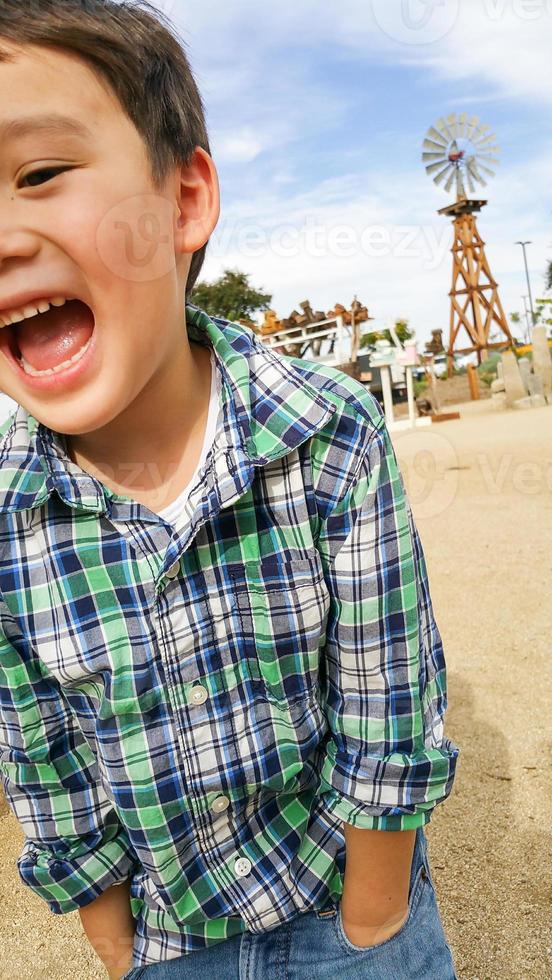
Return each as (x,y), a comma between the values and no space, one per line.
(272,409)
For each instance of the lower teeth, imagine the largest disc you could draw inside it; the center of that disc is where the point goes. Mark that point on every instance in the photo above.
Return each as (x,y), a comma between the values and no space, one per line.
(29,369)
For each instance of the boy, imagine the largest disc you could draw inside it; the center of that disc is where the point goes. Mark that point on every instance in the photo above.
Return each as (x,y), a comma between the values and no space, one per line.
(222,688)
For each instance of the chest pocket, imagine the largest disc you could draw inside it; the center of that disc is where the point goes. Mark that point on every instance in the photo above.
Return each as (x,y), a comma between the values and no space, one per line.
(283,606)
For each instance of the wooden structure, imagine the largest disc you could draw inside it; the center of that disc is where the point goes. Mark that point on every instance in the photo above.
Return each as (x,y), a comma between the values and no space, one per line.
(475,302)
(435,345)
(299,327)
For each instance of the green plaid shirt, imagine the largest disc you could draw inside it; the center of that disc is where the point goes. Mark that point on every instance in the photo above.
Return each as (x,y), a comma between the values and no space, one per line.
(198,707)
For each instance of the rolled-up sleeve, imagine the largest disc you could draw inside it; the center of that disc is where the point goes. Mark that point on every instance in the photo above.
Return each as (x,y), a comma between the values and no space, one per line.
(387,763)
(75,847)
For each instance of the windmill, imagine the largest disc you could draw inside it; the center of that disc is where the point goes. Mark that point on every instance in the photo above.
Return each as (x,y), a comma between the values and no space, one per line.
(460,152)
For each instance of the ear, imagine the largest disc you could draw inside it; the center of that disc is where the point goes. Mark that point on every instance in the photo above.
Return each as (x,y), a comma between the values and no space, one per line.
(198,202)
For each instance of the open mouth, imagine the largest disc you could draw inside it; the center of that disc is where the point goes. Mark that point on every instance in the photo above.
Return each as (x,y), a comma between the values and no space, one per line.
(50,342)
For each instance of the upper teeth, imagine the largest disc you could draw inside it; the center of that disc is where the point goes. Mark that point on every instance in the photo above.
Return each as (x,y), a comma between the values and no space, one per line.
(39,306)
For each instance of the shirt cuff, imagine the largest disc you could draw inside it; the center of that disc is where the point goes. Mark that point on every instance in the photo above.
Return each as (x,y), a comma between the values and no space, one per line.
(358,815)
(70,875)
(395,792)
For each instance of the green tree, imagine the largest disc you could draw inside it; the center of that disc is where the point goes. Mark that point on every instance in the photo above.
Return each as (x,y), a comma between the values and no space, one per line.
(230,296)
(548,276)
(543,311)
(368,340)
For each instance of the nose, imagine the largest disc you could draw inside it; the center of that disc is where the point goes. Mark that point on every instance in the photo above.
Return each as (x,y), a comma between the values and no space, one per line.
(16,240)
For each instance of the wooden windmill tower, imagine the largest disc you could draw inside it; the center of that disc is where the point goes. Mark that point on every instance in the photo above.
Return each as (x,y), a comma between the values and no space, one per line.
(458,150)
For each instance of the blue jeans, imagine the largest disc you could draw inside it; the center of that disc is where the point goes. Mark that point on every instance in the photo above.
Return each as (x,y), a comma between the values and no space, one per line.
(313,946)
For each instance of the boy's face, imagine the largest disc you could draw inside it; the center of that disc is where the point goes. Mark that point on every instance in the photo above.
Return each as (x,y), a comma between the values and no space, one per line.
(97,232)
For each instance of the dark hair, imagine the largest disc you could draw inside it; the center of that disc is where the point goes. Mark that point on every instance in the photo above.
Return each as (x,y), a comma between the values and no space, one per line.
(132,46)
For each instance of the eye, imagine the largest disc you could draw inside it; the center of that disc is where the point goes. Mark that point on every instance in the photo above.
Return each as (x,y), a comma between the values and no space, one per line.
(48,171)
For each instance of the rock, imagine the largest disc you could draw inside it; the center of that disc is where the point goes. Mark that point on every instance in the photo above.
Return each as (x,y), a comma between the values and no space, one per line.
(513,384)
(524,365)
(535,385)
(542,359)
(497,385)
(498,400)
(523,402)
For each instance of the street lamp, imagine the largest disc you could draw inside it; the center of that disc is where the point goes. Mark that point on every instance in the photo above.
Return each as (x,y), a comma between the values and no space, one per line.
(523,244)
(527,319)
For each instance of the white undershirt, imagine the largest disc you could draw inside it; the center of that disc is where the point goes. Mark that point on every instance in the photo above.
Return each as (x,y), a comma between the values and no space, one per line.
(173,510)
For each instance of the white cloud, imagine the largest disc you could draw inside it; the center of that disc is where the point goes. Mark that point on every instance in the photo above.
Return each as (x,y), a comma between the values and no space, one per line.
(504,43)
(259,66)
(241,147)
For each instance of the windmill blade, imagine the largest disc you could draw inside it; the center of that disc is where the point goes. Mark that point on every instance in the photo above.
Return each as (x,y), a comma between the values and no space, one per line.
(485,139)
(482,130)
(432,145)
(450,181)
(492,160)
(488,149)
(440,177)
(454,125)
(432,168)
(487,170)
(442,126)
(471,174)
(438,137)
(434,156)
(463,125)
(472,169)
(488,158)
(479,134)
(472,127)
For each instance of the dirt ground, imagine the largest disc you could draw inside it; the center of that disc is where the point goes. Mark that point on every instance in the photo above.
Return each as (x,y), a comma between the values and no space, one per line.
(481,491)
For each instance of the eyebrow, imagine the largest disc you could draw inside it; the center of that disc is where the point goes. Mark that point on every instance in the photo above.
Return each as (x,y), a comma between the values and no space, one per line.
(52,124)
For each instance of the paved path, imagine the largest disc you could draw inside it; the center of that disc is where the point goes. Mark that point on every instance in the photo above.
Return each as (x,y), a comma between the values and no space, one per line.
(481,490)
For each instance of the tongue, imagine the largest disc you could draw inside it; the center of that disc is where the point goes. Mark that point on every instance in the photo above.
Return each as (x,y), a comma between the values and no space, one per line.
(48,339)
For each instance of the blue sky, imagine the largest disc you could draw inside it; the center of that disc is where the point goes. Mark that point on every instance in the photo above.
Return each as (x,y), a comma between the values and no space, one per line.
(317,112)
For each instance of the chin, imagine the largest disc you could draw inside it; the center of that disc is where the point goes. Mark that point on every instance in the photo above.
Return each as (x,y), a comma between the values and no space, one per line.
(79,416)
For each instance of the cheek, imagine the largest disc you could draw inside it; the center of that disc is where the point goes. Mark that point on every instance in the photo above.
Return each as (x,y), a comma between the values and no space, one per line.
(134,239)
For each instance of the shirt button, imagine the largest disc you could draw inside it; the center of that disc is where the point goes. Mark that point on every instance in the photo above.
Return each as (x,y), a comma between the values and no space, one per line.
(242,867)
(220,804)
(198,695)
(173,571)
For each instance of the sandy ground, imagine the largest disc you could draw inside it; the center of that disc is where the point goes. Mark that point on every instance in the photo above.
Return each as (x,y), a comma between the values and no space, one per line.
(481,491)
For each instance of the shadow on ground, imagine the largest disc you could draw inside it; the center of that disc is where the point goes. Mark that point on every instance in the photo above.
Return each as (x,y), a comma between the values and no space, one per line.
(490,865)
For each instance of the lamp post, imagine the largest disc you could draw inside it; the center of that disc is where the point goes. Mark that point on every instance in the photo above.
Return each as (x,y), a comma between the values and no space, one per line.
(523,245)
(527,319)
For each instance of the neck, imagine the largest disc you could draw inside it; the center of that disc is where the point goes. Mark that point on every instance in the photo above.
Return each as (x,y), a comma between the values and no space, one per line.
(147,449)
